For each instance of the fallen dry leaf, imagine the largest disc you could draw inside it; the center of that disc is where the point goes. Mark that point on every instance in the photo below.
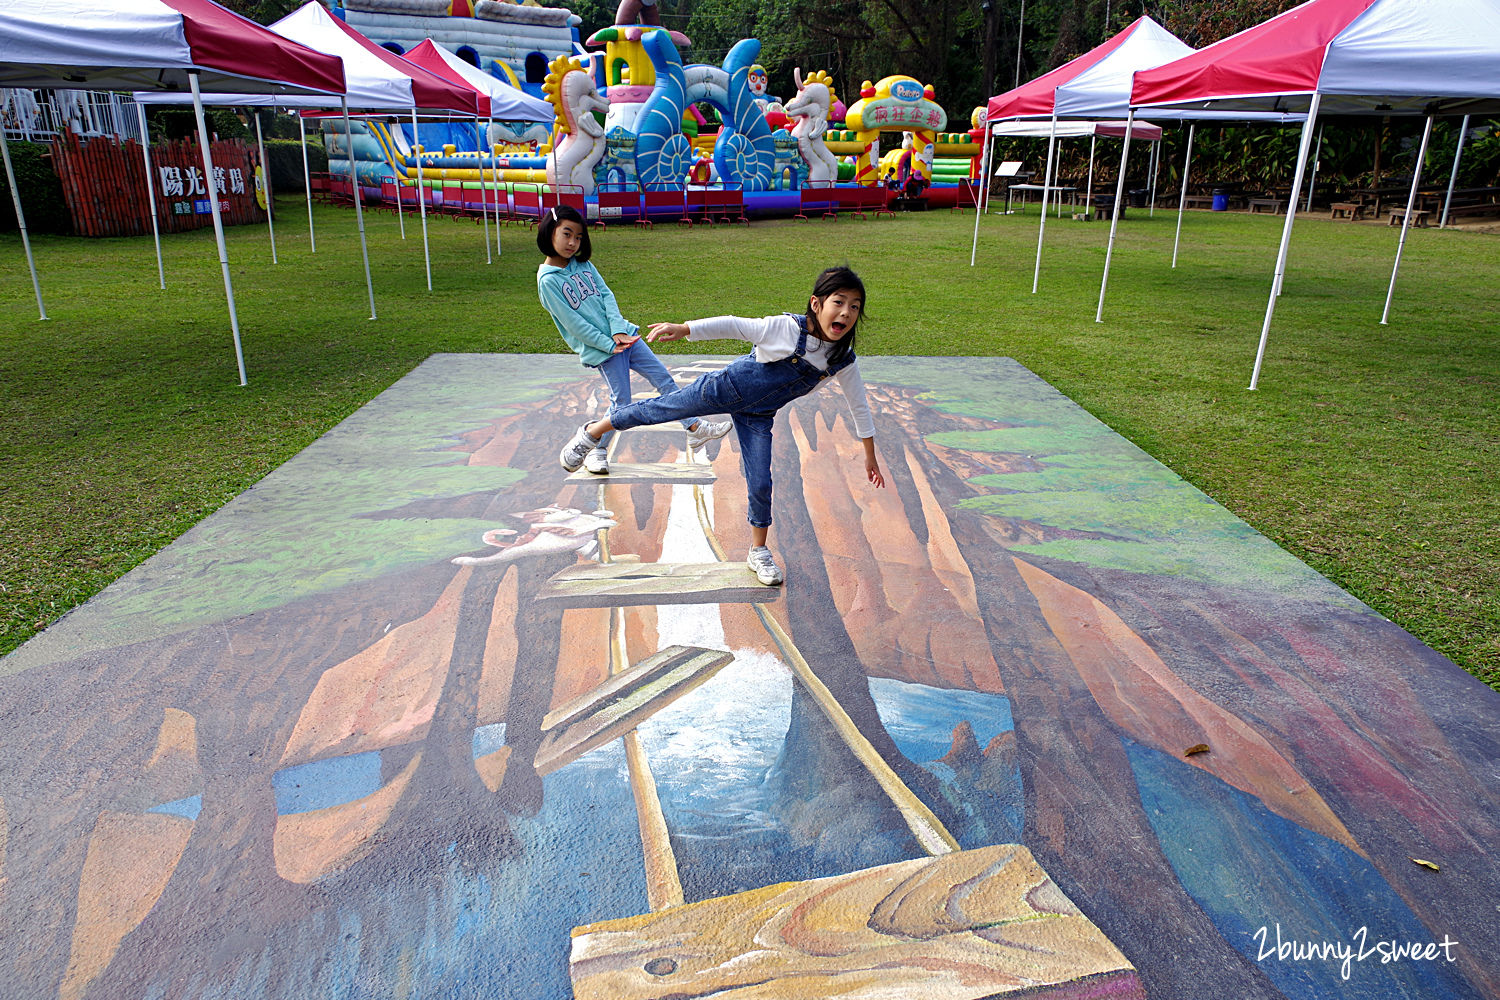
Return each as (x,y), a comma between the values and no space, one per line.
(1195,748)
(1427,864)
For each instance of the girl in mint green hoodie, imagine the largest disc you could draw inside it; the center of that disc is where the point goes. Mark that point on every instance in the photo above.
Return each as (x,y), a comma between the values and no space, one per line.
(584,309)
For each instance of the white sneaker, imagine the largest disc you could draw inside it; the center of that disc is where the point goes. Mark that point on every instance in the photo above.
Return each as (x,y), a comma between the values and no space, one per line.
(706,431)
(763,566)
(574,451)
(597,462)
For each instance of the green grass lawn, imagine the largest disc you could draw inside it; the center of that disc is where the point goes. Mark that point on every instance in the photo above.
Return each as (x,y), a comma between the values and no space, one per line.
(1368,451)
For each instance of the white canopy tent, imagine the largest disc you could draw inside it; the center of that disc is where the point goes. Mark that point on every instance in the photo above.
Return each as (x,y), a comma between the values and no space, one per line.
(507,103)
(171,45)
(1381,57)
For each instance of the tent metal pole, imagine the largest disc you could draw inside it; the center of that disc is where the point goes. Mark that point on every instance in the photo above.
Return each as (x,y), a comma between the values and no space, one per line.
(980,196)
(416,146)
(1057,173)
(1317,159)
(359,209)
(1458,153)
(312,236)
(1088,198)
(1187,162)
(1041,230)
(161,274)
(1114,220)
(265,180)
(400,215)
(1411,201)
(484,201)
(15,197)
(1155,161)
(499,190)
(213,204)
(1286,237)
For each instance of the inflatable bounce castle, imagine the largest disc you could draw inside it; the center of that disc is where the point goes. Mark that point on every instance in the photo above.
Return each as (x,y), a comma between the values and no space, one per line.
(630,114)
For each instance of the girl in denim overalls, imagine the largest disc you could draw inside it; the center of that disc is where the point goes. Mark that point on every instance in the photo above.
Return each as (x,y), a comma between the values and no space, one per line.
(793,355)
(587,316)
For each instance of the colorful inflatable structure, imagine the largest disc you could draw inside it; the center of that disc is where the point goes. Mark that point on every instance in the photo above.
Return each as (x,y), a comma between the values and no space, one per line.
(632,113)
(513,41)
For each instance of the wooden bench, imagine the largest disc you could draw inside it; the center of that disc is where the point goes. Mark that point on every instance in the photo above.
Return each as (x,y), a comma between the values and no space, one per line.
(1473,208)
(1274,205)
(1351,210)
(1104,207)
(1418,217)
(1198,201)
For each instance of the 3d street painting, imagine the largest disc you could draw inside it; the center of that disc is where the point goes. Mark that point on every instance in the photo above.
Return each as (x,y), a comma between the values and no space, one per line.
(421,716)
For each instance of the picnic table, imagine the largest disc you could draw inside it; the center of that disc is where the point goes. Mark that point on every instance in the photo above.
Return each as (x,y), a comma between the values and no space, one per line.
(1058,189)
(1375,195)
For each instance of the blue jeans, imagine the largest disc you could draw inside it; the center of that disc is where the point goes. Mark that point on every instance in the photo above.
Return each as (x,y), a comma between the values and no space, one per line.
(616,370)
(751,393)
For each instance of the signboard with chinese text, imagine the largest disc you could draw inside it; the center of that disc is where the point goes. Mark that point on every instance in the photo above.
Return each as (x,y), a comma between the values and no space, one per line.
(104,184)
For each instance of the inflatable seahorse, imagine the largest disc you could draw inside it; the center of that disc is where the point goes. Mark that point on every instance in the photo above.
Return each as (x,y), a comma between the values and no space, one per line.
(810,108)
(580,137)
(745,153)
(663,155)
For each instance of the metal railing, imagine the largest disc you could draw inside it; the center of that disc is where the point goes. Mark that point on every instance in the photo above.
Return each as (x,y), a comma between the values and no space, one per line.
(40,115)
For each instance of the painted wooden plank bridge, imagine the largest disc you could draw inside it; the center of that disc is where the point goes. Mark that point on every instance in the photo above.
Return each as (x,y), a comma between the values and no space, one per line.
(957,925)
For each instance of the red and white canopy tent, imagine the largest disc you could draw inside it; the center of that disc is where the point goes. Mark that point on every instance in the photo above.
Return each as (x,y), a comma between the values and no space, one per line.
(379,80)
(1094,85)
(1380,57)
(156,45)
(507,103)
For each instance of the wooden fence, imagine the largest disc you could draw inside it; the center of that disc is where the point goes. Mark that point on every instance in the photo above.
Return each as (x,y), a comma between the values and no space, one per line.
(104,183)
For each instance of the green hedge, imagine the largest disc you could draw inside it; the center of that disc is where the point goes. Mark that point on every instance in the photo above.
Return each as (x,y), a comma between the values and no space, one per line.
(285,156)
(41,191)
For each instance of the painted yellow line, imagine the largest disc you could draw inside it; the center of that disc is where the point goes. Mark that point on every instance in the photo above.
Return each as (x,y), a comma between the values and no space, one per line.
(924,825)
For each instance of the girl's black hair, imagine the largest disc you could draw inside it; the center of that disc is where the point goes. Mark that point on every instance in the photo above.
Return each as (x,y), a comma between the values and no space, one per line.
(554,217)
(836,279)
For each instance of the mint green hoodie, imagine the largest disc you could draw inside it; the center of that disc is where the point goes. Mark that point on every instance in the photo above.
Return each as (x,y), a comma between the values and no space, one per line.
(583,308)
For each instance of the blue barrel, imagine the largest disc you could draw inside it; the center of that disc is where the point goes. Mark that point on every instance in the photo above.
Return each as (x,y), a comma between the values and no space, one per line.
(1221,200)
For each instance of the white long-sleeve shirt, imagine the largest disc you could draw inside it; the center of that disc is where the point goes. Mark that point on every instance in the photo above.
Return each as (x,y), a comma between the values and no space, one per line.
(775,337)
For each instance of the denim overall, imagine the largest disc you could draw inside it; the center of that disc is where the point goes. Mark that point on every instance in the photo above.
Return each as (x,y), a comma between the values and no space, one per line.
(616,370)
(750,392)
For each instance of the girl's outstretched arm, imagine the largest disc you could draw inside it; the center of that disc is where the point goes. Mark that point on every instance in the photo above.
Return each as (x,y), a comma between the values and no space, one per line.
(872,464)
(667,332)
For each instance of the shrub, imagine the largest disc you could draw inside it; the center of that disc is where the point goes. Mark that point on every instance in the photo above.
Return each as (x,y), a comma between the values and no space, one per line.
(41,191)
(181,123)
(285,157)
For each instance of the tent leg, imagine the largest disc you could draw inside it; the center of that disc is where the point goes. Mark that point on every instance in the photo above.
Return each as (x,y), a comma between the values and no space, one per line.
(484,201)
(312,237)
(265,179)
(1187,161)
(1155,160)
(499,192)
(1114,220)
(1312,184)
(161,274)
(1458,153)
(15,197)
(1411,200)
(1041,230)
(980,195)
(1286,237)
(213,204)
(416,146)
(1088,197)
(400,212)
(359,209)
